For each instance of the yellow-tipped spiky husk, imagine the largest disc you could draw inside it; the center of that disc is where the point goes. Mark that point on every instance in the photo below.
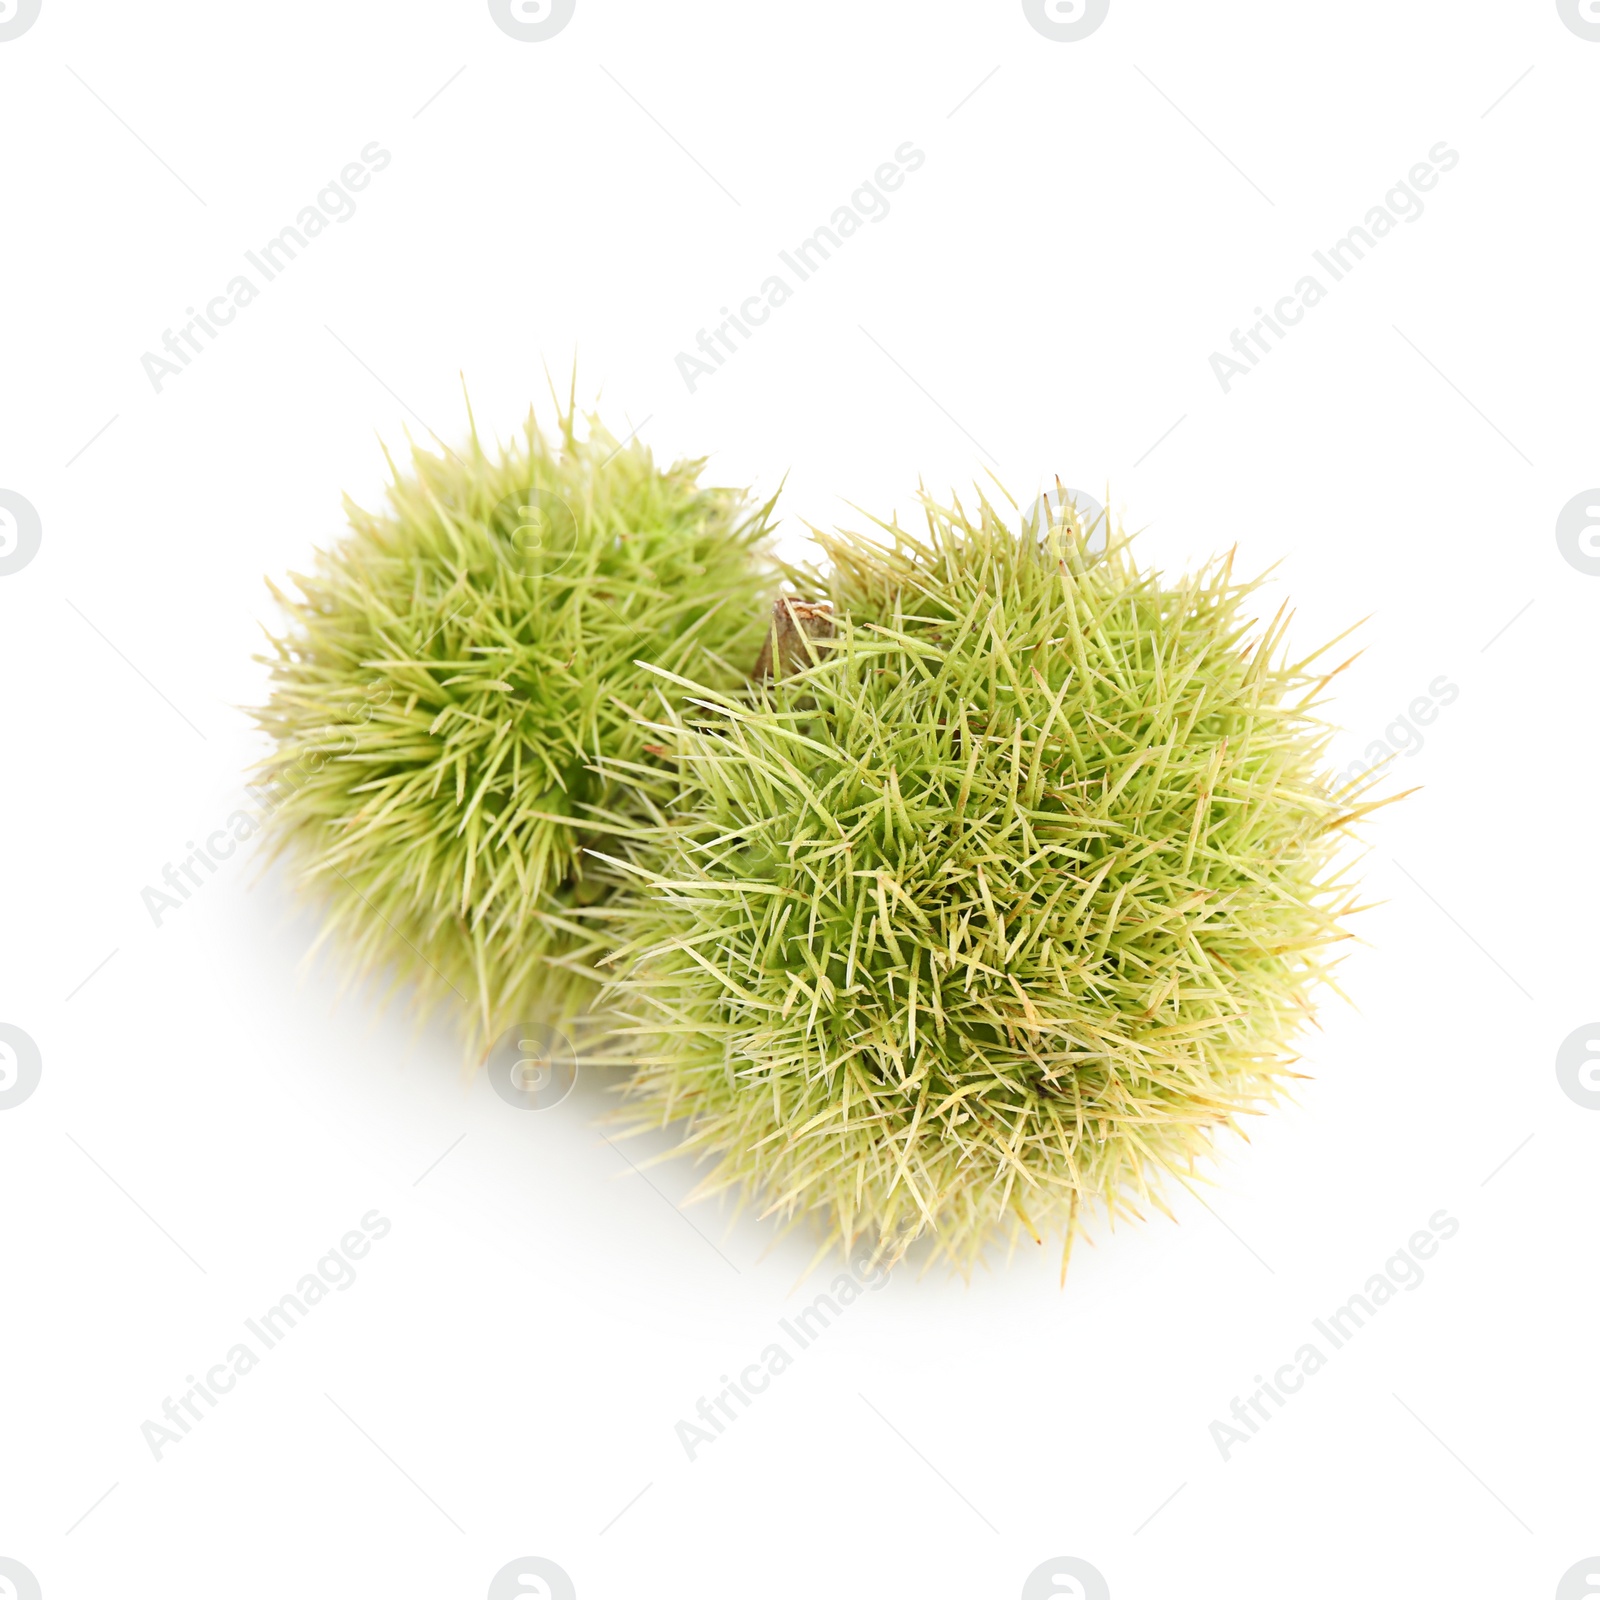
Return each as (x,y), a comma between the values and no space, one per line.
(452,673)
(1000,909)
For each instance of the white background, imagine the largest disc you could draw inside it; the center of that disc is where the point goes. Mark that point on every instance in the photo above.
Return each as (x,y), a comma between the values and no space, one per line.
(1043,298)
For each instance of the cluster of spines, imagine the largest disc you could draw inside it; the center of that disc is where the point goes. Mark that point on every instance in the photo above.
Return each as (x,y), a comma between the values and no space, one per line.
(1003,905)
(452,674)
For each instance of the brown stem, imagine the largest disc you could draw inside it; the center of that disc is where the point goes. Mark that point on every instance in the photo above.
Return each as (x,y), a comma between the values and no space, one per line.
(797,626)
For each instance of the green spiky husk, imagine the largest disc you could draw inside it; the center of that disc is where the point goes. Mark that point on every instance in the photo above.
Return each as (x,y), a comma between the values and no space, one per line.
(997,912)
(450,676)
